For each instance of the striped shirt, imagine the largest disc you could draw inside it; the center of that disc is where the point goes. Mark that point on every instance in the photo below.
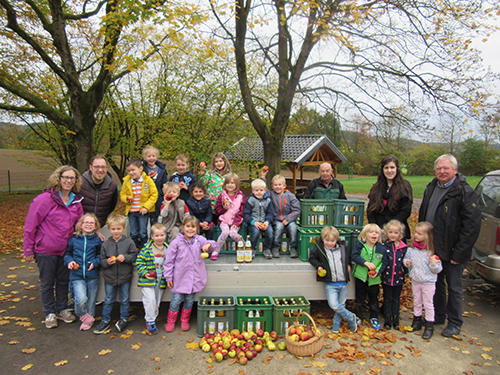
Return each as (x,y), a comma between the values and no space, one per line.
(136,190)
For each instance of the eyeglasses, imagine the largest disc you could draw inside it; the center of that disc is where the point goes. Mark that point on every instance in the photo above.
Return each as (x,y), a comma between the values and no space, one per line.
(68,178)
(99,167)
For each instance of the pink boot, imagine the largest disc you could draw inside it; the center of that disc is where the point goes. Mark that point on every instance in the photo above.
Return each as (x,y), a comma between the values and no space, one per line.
(186,314)
(171,318)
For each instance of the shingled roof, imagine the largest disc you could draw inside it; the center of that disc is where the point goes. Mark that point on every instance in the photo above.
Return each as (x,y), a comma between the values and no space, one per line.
(296,149)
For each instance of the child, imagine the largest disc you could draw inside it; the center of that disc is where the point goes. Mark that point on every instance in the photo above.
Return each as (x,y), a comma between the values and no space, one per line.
(367,257)
(183,176)
(214,181)
(139,194)
(201,208)
(185,271)
(118,254)
(150,273)
(392,272)
(424,267)
(82,258)
(286,209)
(258,215)
(230,206)
(331,258)
(173,210)
(158,173)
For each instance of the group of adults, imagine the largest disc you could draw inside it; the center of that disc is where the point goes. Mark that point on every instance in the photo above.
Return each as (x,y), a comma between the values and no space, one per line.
(449,204)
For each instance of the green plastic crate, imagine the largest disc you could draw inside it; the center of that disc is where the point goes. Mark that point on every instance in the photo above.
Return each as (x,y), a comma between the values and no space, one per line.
(211,318)
(230,246)
(309,236)
(348,214)
(284,315)
(316,213)
(250,317)
(353,238)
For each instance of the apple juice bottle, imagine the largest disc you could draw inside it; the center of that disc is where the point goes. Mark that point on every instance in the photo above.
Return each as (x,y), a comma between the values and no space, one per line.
(248,251)
(240,252)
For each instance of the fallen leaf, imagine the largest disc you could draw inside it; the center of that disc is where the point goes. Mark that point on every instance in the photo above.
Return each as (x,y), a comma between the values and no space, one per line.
(61,363)
(136,347)
(192,345)
(319,364)
(487,349)
(11,276)
(27,367)
(104,351)
(487,356)
(111,371)
(13,342)
(113,336)
(29,351)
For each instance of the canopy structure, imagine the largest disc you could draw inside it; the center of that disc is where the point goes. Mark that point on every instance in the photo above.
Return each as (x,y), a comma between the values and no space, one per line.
(298,151)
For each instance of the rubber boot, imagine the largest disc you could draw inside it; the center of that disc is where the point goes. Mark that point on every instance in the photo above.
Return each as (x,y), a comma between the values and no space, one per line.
(417,323)
(395,322)
(387,322)
(429,330)
(171,318)
(186,314)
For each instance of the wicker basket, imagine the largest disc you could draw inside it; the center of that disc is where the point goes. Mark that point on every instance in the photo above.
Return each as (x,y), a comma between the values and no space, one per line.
(304,348)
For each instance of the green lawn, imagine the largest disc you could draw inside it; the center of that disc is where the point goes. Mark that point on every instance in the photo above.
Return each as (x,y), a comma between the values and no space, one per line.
(362,185)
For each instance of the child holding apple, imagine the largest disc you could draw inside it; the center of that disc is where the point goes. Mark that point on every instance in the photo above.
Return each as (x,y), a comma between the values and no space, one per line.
(201,208)
(331,258)
(82,258)
(150,273)
(424,267)
(118,254)
(214,179)
(367,257)
(183,176)
(158,173)
(173,210)
(185,271)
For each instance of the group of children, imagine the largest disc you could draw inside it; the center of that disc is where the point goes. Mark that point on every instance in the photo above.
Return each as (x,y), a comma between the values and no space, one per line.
(376,263)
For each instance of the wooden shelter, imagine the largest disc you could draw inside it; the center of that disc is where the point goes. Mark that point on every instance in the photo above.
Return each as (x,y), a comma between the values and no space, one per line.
(298,151)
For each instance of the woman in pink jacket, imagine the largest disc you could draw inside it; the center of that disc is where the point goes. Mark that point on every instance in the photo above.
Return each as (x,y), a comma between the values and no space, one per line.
(48,228)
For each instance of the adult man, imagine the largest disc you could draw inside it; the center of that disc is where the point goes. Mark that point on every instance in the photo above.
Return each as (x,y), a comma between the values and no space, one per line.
(325,187)
(99,190)
(450,205)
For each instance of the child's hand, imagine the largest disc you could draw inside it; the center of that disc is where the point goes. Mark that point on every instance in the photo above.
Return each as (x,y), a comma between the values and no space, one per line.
(408,262)
(101,236)
(182,185)
(170,284)
(71,265)
(120,258)
(91,267)
(435,259)
(204,225)
(226,204)
(285,222)
(144,211)
(265,225)
(203,167)
(112,260)
(206,247)
(373,274)
(235,227)
(130,199)
(321,272)
(149,277)
(257,224)
(264,171)
(370,265)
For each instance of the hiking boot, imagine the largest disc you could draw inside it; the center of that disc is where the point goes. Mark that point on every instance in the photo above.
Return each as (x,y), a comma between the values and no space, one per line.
(294,253)
(66,316)
(120,325)
(151,326)
(102,327)
(429,330)
(268,254)
(51,321)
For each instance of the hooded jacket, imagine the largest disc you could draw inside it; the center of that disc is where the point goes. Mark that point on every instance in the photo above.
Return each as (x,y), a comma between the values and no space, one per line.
(319,258)
(83,249)
(149,193)
(392,270)
(361,254)
(119,273)
(260,210)
(160,179)
(285,206)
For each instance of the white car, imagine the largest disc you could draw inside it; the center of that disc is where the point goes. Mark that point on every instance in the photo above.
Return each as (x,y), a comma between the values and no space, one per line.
(485,260)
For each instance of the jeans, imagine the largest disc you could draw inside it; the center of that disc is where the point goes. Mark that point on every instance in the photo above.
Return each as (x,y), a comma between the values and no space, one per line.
(255,234)
(138,228)
(54,277)
(337,296)
(362,291)
(124,291)
(453,307)
(177,298)
(85,295)
(292,231)
(392,299)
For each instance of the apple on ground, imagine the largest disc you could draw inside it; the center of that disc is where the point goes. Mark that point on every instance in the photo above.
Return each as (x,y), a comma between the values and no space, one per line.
(260,332)
(258,342)
(224,353)
(274,335)
(254,352)
(219,357)
(206,348)
(282,345)
(232,353)
(243,360)
(271,346)
(249,355)
(241,354)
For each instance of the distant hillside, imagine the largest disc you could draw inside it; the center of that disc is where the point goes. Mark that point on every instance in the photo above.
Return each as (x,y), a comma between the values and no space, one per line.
(10,134)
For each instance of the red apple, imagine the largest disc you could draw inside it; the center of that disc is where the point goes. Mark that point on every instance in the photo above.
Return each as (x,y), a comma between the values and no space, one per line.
(292,331)
(241,354)
(437,258)
(265,168)
(249,355)
(203,164)
(273,335)
(76,266)
(169,197)
(152,274)
(305,336)
(260,332)
(372,273)
(258,348)
(243,360)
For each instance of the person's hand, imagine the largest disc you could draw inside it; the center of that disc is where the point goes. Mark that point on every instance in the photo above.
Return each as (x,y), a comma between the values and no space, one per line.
(101,236)
(91,267)
(373,274)
(183,185)
(285,222)
(112,260)
(130,199)
(150,278)
(206,247)
(265,225)
(234,227)
(144,211)
(408,263)
(226,204)
(170,284)
(453,262)
(264,171)
(120,258)
(203,167)
(370,265)
(257,224)
(71,265)
(204,225)
(29,258)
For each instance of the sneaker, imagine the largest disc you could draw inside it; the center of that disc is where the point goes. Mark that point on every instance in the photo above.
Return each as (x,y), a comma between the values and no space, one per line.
(450,331)
(276,253)
(359,322)
(336,326)
(375,323)
(151,326)
(101,327)
(214,256)
(268,254)
(353,323)
(87,322)
(294,253)
(51,321)
(120,325)
(66,316)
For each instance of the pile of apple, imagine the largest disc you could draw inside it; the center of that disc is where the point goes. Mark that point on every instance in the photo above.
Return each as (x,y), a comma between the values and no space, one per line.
(242,346)
(302,333)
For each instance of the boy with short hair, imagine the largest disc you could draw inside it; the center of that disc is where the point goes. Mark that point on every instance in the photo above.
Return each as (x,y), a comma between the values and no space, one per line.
(183,176)
(158,173)
(139,193)
(286,208)
(118,254)
(173,210)
(259,215)
(331,259)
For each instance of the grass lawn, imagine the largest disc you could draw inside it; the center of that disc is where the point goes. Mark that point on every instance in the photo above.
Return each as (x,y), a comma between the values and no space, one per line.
(362,185)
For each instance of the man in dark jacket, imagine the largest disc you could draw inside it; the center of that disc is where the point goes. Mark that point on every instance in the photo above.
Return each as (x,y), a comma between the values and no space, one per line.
(98,189)
(450,205)
(325,187)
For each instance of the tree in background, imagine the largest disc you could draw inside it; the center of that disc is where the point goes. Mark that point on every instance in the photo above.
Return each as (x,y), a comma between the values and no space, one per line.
(472,159)
(421,159)
(309,121)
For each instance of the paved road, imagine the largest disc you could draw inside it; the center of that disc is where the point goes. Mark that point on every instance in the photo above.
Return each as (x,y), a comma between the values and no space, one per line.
(21,327)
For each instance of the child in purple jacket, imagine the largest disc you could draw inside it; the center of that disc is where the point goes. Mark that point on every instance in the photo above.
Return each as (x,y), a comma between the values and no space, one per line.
(185,271)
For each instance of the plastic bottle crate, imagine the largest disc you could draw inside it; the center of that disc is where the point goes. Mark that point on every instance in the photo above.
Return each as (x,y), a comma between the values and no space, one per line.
(353,238)
(316,212)
(348,214)
(211,318)
(246,319)
(230,245)
(309,236)
(284,315)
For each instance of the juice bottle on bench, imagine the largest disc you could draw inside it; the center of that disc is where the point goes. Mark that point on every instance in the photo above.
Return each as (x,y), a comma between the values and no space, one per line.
(240,252)
(248,251)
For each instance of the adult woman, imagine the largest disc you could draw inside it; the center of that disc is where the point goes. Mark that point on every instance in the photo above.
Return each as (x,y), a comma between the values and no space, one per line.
(391,196)
(49,226)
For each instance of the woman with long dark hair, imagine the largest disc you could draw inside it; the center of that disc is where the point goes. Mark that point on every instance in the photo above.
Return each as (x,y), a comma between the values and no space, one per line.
(391,196)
